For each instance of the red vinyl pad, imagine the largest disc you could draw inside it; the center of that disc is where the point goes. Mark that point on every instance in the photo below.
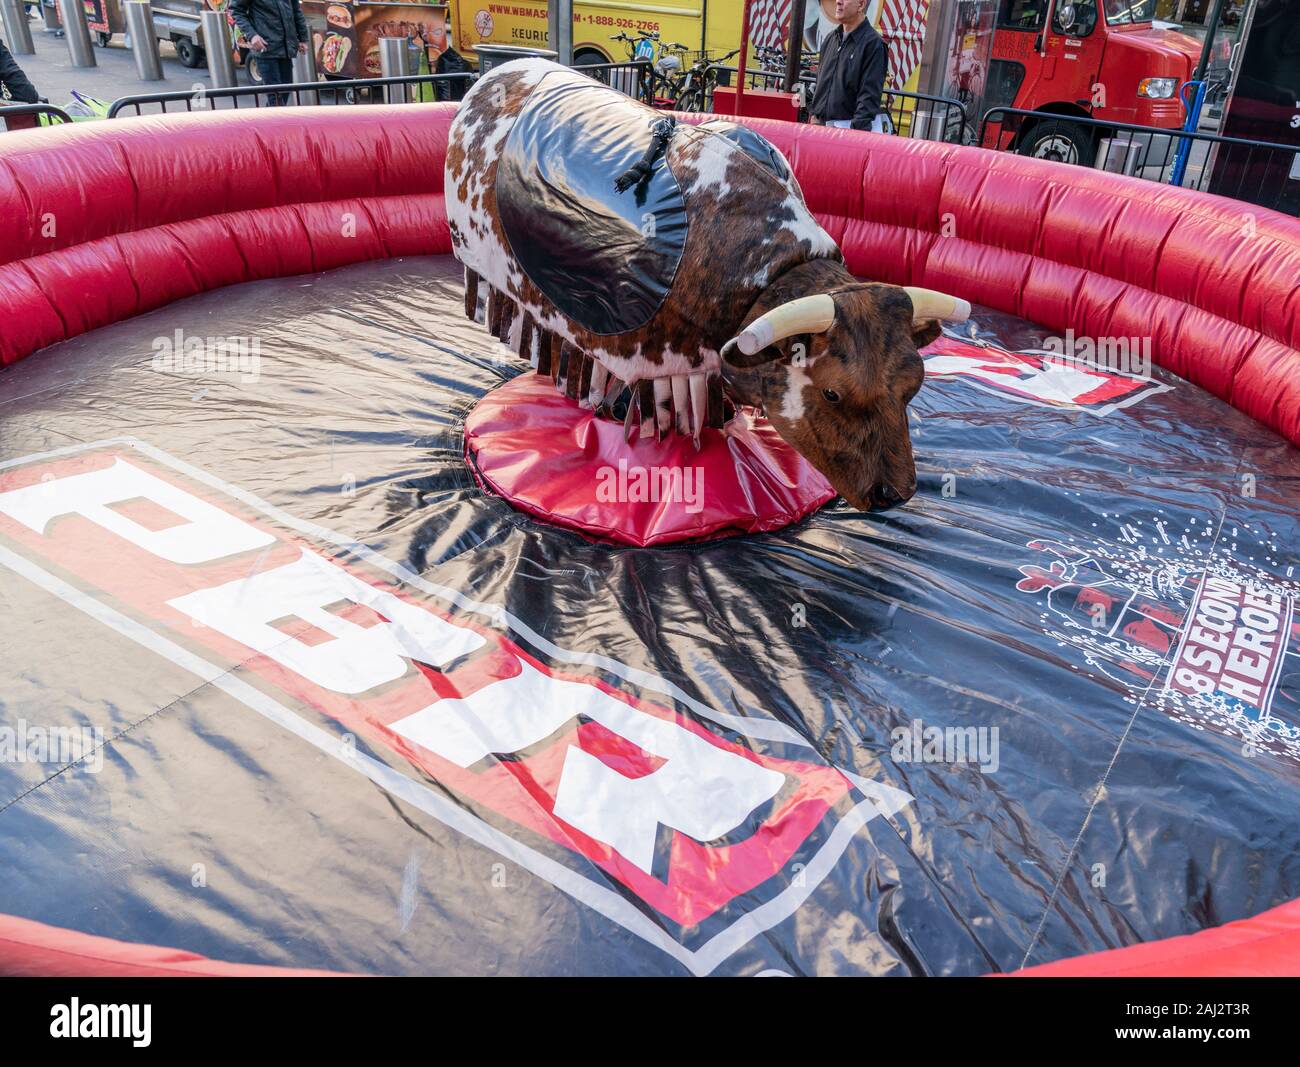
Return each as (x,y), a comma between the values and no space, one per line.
(561,464)
(1265,945)
(33,950)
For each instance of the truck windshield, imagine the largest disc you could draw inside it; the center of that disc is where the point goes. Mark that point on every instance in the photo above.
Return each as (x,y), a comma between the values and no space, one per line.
(1124,11)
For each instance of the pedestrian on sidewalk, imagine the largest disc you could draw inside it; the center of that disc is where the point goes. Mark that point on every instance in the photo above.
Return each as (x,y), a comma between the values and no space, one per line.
(276,31)
(15,88)
(851,73)
(14,84)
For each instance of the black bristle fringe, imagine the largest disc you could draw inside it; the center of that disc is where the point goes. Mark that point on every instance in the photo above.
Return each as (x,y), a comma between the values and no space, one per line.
(471,294)
(492,321)
(573,376)
(717,408)
(544,351)
(508,310)
(567,355)
(584,383)
(526,338)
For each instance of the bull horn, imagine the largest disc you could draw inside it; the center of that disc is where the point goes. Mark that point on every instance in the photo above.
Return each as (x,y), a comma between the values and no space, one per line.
(808,314)
(927,304)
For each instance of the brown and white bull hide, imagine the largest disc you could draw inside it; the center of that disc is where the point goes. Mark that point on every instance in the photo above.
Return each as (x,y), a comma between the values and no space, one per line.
(761,311)
(746,224)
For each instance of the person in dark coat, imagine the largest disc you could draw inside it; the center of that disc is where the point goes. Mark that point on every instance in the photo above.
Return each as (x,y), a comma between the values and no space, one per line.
(851,74)
(14,85)
(276,32)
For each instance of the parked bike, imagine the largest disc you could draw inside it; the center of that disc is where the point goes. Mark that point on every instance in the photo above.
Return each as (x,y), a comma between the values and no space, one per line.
(666,59)
(700,80)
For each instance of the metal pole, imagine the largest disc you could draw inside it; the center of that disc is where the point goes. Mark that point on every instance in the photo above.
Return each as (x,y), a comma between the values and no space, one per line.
(744,58)
(559,29)
(216,43)
(73,14)
(304,70)
(1212,28)
(17,32)
(394,62)
(49,16)
(144,40)
(795,52)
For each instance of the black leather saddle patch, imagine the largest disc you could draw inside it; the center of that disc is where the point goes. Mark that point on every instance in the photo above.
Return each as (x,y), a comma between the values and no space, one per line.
(758,148)
(605,259)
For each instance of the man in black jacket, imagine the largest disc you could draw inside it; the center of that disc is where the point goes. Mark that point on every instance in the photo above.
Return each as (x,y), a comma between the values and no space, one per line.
(276,32)
(14,85)
(851,74)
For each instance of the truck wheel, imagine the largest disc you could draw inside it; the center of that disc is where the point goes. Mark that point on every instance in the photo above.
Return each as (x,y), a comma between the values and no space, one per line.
(585,57)
(1064,142)
(190,54)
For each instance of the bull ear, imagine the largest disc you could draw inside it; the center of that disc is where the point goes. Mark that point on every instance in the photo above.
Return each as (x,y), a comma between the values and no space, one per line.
(924,333)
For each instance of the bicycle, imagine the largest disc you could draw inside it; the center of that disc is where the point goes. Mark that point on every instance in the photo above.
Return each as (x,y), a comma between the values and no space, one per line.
(773,61)
(665,71)
(699,82)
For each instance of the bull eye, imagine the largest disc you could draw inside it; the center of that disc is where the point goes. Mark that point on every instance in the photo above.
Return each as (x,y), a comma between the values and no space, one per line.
(831,395)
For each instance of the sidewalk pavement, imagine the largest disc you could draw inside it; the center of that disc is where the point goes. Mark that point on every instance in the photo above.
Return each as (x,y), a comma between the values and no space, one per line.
(54,76)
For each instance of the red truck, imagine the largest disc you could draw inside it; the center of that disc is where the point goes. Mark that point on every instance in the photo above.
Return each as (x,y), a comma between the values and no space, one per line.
(1068,59)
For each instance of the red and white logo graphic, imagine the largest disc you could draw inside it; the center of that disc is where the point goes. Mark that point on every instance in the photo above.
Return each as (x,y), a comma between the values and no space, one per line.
(1208,639)
(1235,643)
(706,818)
(1038,378)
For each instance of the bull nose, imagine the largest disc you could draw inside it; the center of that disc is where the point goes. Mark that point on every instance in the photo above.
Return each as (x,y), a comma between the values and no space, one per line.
(889,497)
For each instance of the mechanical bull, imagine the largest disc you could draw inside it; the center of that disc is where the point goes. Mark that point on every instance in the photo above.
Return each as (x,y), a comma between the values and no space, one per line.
(675,271)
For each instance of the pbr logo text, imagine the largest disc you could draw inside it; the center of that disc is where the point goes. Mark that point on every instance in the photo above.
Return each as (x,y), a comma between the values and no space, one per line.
(709,820)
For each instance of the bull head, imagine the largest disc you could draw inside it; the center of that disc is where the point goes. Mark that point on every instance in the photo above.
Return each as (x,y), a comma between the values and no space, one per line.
(835,371)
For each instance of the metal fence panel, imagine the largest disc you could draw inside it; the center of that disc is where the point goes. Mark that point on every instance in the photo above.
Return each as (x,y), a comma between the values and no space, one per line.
(1257,171)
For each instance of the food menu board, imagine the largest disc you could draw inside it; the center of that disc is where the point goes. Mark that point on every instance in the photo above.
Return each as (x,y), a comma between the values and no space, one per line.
(236,34)
(102,16)
(345,37)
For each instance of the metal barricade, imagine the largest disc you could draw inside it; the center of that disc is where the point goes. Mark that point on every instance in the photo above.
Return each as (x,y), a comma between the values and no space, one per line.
(26,116)
(324,93)
(1257,172)
(926,117)
(631,78)
(923,116)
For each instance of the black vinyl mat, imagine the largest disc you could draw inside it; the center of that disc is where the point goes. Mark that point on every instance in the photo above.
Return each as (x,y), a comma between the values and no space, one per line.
(1050,706)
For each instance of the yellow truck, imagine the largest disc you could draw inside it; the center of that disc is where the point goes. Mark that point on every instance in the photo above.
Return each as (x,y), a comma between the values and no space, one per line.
(698,24)
(712,25)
